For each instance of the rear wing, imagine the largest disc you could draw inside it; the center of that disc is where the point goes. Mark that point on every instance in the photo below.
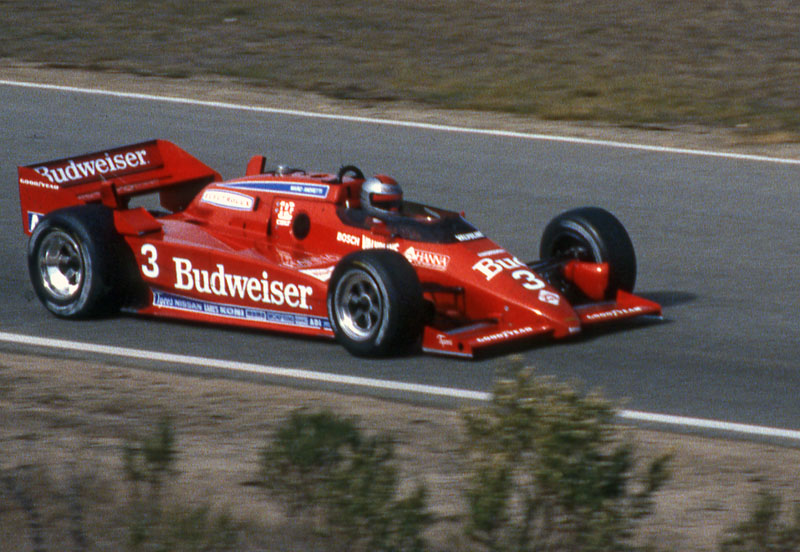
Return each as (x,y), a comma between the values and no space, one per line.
(112,177)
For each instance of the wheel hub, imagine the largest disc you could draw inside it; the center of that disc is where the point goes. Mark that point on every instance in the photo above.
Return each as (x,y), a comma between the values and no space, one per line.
(358,305)
(61,265)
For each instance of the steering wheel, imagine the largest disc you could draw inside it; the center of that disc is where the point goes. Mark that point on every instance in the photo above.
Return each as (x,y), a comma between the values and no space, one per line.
(350,169)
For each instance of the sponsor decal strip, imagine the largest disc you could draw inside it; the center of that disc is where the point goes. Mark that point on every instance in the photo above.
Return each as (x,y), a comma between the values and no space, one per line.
(173,301)
(372,383)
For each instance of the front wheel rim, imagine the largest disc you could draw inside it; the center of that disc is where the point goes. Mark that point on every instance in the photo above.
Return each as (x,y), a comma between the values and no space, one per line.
(358,305)
(61,266)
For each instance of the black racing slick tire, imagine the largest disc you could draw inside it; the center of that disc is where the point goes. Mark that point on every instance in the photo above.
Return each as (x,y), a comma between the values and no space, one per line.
(592,234)
(375,303)
(73,263)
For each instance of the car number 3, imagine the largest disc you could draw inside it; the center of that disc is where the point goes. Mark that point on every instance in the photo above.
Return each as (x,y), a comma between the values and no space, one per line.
(151,253)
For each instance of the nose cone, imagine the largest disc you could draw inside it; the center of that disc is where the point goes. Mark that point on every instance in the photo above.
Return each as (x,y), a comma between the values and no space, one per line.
(522,296)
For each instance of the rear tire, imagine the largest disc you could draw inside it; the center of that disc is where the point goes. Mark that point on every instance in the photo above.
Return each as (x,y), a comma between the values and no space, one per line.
(72,257)
(375,303)
(592,234)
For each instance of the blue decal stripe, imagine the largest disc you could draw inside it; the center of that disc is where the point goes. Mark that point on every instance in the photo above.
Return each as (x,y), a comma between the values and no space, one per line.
(292,188)
(173,301)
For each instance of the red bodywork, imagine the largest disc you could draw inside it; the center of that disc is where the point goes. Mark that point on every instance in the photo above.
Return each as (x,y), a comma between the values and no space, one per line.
(258,251)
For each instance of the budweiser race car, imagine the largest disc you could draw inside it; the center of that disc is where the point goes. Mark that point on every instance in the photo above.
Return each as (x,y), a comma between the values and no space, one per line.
(332,255)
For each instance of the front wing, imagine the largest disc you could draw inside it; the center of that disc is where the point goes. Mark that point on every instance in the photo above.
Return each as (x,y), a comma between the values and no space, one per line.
(469,341)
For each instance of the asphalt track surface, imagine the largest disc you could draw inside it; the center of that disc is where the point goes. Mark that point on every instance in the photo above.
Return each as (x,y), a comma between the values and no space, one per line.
(717,240)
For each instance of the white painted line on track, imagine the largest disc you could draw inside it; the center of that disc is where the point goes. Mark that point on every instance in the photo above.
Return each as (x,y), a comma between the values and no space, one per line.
(234,366)
(371,383)
(407,124)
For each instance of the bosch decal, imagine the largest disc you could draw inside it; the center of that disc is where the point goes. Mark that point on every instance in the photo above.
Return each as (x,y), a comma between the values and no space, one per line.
(349,239)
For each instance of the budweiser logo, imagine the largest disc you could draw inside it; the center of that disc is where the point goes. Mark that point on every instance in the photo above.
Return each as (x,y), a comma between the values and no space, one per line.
(224,284)
(73,171)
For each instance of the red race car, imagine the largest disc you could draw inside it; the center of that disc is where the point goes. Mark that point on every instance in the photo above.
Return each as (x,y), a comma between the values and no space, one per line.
(332,255)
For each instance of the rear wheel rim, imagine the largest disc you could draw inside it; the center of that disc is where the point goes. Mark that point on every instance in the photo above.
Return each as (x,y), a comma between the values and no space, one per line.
(61,266)
(358,305)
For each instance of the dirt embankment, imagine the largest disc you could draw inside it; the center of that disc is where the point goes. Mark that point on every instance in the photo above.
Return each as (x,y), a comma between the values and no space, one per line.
(64,423)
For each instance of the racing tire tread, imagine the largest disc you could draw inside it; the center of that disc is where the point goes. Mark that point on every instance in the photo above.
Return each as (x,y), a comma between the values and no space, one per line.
(401,322)
(92,228)
(604,235)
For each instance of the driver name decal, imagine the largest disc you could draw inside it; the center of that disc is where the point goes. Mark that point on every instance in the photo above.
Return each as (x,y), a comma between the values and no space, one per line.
(291,188)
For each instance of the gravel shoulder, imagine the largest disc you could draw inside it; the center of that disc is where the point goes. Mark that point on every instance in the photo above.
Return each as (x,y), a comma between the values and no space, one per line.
(64,424)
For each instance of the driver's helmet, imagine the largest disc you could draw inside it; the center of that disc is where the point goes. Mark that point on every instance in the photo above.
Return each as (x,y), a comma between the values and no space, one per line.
(381,194)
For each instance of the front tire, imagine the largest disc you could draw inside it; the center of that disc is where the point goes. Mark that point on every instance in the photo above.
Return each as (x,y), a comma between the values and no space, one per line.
(594,235)
(375,303)
(71,261)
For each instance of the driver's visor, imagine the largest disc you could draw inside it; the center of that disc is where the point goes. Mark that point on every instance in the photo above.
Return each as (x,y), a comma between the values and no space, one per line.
(386,201)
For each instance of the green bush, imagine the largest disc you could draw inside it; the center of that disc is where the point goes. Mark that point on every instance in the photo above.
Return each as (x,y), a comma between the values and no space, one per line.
(547,471)
(303,455)
(152,525)
(764,531)
(152,457)
(322,463)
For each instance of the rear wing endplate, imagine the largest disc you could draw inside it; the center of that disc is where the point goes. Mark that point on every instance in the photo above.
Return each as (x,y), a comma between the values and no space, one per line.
(112,177)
